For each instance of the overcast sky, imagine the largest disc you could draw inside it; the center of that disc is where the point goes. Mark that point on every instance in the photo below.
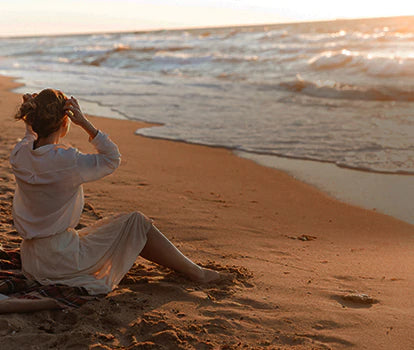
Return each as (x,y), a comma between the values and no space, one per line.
(27,17)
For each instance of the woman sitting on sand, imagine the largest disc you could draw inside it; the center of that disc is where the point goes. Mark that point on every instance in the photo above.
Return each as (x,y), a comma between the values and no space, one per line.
(48,203)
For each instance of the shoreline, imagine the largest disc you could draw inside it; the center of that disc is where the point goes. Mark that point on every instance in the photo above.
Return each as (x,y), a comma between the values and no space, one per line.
(389,194)
(224,210)
(392,197)
(359,187)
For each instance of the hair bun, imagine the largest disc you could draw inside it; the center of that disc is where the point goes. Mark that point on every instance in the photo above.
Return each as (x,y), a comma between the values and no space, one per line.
(27,109)
(29,102)
(29,105)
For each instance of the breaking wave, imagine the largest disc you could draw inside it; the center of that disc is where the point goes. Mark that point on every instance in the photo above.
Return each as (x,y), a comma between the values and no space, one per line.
(374,65)
(336,90)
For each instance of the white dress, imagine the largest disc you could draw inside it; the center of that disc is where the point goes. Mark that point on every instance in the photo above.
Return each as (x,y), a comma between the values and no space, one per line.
(47,206)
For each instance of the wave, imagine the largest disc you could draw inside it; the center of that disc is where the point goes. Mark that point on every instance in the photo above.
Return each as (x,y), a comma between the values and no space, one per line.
(383,36)
(28,53)
(195,58)
(120,49)
(180,58)
(343,36)
(336,90)
(236,58)
(352,164)
(374,65)
(274,34)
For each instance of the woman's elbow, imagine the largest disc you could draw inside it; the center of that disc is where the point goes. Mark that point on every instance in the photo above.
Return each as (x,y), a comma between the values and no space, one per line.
(113,164)
(117,163)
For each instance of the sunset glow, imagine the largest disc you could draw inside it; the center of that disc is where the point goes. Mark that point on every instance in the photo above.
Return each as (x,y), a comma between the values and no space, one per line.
(27,17)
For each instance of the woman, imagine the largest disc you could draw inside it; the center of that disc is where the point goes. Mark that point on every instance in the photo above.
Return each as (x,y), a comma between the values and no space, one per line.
(49,199)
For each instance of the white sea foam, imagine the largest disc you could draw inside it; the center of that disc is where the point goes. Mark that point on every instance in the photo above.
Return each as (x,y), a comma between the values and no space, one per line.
(335,90)
(373,64)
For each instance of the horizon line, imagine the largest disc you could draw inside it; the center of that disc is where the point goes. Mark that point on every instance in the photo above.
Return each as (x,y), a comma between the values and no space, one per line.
(191,28)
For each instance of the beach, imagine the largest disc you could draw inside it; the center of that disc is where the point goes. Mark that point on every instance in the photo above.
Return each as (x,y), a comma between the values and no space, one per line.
(327,102)
(295,254)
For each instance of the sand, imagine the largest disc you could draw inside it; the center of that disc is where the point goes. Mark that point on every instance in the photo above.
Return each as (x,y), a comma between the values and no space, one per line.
(300,259)
(390,194)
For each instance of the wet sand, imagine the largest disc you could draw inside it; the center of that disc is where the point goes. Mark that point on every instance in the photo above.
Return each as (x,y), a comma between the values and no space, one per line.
(295,254)
(390,194)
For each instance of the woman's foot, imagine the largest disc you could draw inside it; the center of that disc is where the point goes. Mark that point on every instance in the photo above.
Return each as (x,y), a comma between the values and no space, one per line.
(204,275)
(160,250)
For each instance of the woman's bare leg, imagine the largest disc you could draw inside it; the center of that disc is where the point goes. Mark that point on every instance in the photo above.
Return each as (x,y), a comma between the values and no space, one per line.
(160,250)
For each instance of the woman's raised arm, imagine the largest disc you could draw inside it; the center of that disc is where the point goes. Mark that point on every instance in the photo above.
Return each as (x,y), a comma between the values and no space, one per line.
(75,114)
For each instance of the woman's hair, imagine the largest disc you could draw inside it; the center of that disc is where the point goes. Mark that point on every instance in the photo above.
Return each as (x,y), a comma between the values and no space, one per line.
(43,111)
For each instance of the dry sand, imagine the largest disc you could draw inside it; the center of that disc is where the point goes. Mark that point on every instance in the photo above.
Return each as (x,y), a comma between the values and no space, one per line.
(294,252)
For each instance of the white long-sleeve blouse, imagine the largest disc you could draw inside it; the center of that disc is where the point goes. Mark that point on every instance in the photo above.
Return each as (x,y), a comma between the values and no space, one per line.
(49,194)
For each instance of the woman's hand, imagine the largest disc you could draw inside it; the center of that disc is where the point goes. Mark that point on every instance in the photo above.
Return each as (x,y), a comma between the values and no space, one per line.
(75,114)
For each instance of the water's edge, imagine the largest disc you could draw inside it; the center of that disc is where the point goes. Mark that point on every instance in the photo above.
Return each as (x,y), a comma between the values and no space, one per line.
(386,193)
(389,194)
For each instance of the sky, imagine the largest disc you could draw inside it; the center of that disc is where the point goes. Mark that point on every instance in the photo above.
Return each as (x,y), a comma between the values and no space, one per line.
(32,17)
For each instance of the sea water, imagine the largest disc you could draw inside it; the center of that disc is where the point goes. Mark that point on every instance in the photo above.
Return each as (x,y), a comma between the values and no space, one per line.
(340,92)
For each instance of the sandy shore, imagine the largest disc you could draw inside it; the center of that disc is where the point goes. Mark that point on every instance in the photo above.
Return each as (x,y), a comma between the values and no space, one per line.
(294,252)
(390,194)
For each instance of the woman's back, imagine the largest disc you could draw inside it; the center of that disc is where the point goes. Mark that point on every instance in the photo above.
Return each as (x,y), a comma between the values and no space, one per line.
(49,195)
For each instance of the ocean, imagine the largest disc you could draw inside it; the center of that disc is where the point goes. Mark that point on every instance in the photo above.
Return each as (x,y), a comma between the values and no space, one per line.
(340,92)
